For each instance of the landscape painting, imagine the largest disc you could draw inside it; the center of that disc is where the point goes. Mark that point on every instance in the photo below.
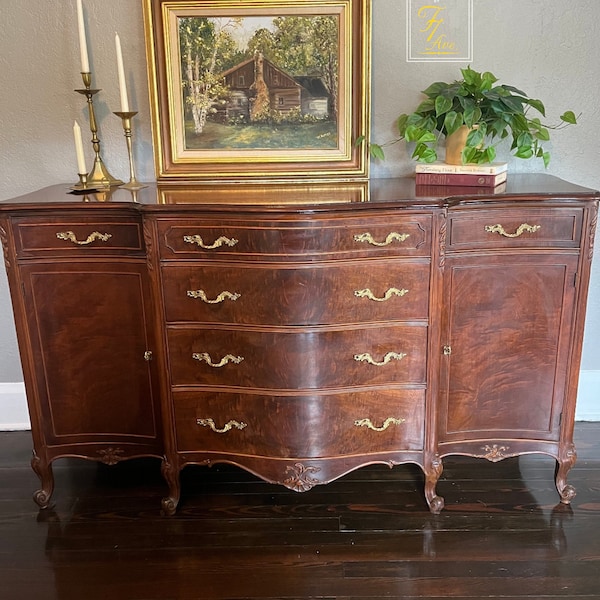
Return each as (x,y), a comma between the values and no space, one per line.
(259,82)
(267,88)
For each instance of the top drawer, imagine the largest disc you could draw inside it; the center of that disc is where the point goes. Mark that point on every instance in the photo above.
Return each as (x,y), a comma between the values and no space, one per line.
(409,235)
(67,236)
(522,228)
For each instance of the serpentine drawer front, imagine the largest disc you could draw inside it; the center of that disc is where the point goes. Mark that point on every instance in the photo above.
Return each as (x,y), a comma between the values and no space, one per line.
(337,423)
(300,338)
(297,294)
(319,237)
(308,359)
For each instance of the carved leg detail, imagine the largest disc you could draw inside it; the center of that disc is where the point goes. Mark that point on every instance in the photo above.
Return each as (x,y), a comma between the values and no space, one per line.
(43,470)
(564,463)
(171,475)
(433,471)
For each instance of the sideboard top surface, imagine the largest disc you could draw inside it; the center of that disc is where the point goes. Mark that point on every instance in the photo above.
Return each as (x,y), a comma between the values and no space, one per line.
(396,193)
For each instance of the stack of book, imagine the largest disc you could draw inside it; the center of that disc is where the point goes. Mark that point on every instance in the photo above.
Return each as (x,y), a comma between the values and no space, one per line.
(439,173)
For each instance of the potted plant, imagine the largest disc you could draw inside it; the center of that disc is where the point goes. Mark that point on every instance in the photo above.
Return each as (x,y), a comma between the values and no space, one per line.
(483,113)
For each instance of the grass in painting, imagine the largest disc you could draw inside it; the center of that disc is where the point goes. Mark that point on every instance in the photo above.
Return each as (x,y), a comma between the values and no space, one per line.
(321,135)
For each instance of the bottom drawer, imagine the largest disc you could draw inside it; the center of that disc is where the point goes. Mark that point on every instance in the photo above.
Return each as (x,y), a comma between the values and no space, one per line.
(313,426)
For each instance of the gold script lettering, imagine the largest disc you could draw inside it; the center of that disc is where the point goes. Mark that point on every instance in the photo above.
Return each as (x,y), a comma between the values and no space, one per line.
(434,22)
(441,44)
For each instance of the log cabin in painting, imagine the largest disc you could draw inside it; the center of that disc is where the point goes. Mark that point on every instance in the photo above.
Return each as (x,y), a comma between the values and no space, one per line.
(257,85)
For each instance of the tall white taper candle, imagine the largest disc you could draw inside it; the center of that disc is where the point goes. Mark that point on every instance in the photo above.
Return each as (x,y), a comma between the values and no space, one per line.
(121,73)
(85,63)
(81,168)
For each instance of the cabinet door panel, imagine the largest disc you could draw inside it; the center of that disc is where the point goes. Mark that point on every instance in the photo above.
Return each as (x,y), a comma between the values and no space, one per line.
(88,332)
(508,323)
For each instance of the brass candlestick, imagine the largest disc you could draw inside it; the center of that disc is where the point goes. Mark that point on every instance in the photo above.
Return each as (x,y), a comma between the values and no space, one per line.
(99,173)
(126,117)
(85,186)
(83,183)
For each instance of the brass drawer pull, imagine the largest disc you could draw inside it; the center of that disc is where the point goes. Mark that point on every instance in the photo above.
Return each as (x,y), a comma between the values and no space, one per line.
(69,236)
(366,357)
(369,424)
(523,228)
(201,295)
(205,357)
(197,239)
(233,424)
(367,293)
(367,237)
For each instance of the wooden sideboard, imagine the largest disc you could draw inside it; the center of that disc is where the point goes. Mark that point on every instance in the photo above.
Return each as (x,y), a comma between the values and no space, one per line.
(301,331)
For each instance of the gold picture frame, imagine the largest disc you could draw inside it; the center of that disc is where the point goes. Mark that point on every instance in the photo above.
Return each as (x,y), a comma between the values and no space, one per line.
(259,89)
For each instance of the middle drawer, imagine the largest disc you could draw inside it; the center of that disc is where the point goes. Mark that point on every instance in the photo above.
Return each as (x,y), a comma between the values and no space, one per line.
(310,358)
(370,291)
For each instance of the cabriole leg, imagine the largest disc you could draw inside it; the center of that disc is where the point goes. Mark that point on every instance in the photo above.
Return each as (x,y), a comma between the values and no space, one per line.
(43,469)
(171,475)
(433,471)
(565,461)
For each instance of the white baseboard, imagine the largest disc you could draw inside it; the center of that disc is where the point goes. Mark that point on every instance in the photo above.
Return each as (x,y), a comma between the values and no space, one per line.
(588,397)
(15,417)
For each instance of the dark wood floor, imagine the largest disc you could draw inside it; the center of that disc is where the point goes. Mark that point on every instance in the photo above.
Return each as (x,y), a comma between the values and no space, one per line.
(369,535)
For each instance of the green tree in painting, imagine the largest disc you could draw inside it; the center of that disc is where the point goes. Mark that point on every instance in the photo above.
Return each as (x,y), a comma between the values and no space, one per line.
(327,47)
(206,45)
(303,46)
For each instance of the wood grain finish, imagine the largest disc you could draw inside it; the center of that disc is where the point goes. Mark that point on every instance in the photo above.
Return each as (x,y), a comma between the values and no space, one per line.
(309,359)
(270,425)
(509,361)
(297,294)
(303,340)
(77,236)
(278,238)
(525,227)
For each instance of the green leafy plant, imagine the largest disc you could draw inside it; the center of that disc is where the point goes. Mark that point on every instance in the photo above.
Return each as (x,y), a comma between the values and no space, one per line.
(491,112)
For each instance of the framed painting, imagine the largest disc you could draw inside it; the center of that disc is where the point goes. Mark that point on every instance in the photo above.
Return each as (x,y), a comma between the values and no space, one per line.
(259,89)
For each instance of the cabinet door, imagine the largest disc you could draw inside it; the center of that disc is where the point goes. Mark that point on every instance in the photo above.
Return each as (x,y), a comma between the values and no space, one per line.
(507,327)
(89,340)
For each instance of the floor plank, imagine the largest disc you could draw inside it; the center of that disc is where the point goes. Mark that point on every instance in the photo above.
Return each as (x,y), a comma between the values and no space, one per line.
(367,536)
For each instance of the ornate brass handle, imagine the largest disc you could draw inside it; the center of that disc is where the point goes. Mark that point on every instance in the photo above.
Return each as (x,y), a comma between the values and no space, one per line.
(205,357)
(197,239)
(201,295)
(367,293)
(233,424)
(369,424)
(69,236)
(367,237)
(523,228)
(366,357)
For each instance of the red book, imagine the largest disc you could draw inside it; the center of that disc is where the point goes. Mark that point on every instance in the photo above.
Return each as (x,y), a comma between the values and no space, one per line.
(464,179)
(436,191)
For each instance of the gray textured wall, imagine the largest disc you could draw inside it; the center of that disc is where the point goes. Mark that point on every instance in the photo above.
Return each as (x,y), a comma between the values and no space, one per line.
(545,47)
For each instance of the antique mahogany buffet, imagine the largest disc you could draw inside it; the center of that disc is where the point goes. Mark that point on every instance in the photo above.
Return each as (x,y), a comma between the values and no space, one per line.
(301,331)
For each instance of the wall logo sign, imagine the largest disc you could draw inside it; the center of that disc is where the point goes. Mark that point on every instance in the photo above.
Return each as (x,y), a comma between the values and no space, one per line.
(439,30)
